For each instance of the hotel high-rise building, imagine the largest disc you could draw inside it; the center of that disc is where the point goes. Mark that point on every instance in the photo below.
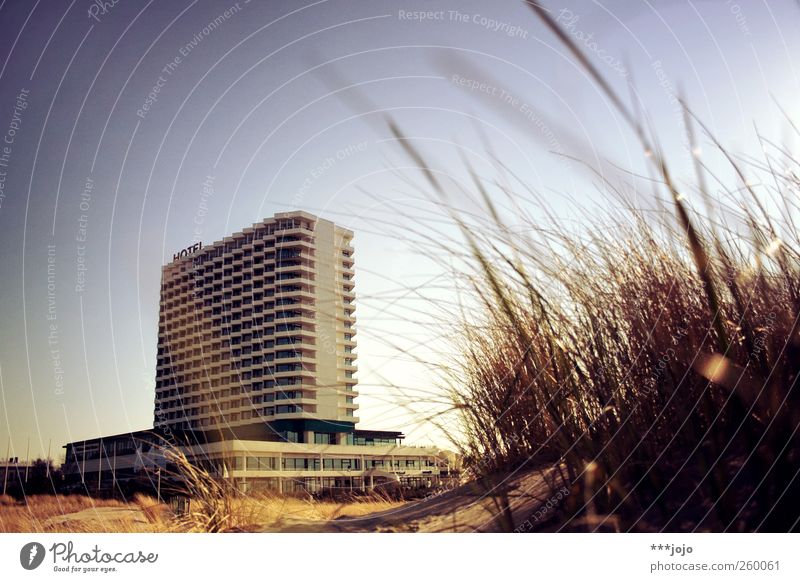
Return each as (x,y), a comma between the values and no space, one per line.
(256,334)
(255,377)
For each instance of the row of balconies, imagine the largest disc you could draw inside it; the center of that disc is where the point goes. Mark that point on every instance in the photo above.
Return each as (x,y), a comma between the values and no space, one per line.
(243,373)
(210,350)
(267,241)
(203,391)
(210,357)
(235,387)
(241,315)
(256,254)
(242,414)
(174,342)
(240,290)
(253,372)
(198,369)
(259,327)
(266,285)
(220,378)
(266,330)
(210,345)
(220,271)
(264,280)
(231,403)
(214,352)
(215,405)
(228,274)
(189,299)
(246,315)
(257,320)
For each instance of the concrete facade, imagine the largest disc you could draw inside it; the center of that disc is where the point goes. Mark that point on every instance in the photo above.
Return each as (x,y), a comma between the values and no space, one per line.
(260,327)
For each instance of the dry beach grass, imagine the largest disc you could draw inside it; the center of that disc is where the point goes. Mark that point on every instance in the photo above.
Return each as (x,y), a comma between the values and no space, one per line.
(650,357)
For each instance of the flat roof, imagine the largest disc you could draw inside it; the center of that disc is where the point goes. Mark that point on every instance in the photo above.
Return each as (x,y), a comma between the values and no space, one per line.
(198,436)
(201,437)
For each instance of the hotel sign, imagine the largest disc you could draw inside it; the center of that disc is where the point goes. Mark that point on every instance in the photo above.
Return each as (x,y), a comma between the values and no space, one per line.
(187,251)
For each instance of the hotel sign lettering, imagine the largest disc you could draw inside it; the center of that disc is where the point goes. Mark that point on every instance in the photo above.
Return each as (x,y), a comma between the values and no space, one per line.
(187,251)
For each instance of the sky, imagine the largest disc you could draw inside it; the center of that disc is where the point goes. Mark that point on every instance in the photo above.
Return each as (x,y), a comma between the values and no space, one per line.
(132,129)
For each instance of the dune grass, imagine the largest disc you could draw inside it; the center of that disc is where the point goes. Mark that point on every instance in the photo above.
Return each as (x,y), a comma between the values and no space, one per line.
(610,361)
(79,513)
(258,512)
(217,506)
(651,359)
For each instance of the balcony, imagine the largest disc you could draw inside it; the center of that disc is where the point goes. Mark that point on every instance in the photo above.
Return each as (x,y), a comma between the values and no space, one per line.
(307,271)
(344,320)
(302,344)
(283,415)
(286,244)
(308,331)
(300,278)
(307,388)
(306,402)
(302,374)
(302,319)
(300,294)
(347,273)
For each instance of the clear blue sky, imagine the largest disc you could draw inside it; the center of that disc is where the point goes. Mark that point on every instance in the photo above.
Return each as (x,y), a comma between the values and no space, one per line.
(145,101)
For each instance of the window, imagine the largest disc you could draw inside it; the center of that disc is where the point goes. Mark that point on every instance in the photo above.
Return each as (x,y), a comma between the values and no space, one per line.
(341,464)
(324,438)
(288,395)
(303,464)
(262,463)
(288,409)
(288,368)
